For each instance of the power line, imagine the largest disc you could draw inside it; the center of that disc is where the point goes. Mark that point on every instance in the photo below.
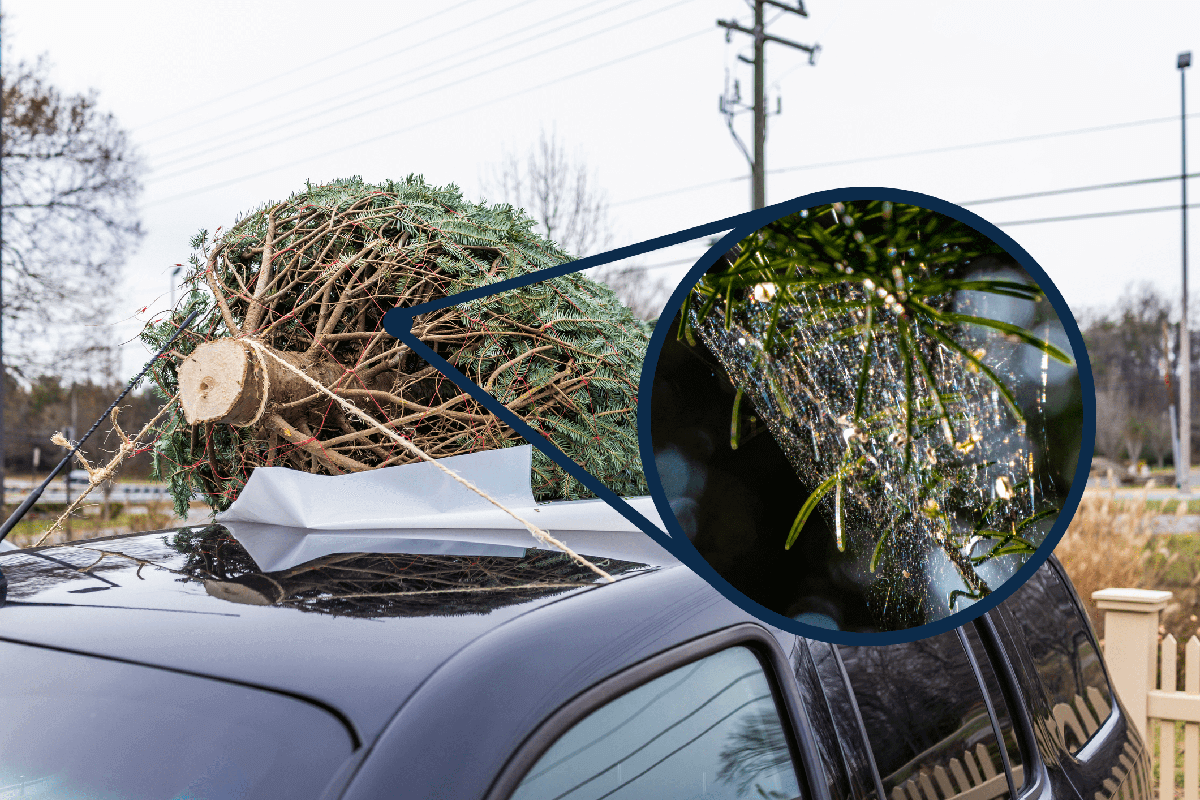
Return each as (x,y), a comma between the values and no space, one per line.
(405,27)
(681,190)
(1096,215)
(369,86)
(647,267)
(990,143)
(404,81)
(1074,189)
(907,154)
(1027,196)
(449,115)
(422,93)
(1069,218)
(325,78)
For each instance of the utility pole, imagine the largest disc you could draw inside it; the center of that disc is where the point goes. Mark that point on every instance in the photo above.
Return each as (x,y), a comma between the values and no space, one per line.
(731,104)
(1171,419)
(1184,469)
(3,380)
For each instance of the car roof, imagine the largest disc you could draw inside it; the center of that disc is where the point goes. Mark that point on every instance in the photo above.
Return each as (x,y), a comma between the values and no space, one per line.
(355,632)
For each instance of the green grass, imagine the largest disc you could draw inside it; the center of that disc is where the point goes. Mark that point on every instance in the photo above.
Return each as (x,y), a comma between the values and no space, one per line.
(1167,507)
(1175,558)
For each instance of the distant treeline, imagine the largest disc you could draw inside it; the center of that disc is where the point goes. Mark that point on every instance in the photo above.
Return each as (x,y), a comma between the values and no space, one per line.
(1135,354)
(34,413)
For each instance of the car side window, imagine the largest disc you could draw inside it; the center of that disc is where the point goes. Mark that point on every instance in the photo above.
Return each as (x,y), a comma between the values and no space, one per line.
(710,729)
(926,719)
(1064,655)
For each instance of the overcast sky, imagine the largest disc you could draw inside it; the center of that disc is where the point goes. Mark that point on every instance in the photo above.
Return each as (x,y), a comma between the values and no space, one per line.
(234,104)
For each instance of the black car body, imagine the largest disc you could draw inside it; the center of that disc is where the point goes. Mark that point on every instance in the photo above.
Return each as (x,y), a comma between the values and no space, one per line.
(128,672)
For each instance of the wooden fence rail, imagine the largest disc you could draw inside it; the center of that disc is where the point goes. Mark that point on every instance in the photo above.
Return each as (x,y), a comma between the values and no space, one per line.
(1144,670)
(1170,703)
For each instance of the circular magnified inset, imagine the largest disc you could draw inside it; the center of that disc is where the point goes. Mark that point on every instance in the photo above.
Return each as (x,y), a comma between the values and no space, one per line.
(868,415)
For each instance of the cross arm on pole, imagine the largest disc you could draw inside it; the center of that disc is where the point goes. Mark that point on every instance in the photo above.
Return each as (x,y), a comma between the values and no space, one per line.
(797,9)
(758,180)
(811,49)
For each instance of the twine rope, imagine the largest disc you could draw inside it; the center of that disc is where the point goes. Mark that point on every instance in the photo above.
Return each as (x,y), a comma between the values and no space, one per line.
(266,387)
(537,533)
(98,475)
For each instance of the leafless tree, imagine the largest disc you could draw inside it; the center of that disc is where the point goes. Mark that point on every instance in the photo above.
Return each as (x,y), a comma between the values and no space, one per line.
(1125,343)
(70,186)
(1112,420)
(563,196)
(1134,438)
(558,191)
(1158,435)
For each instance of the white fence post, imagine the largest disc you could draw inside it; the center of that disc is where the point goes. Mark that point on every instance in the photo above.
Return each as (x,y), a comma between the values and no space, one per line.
(1131,645)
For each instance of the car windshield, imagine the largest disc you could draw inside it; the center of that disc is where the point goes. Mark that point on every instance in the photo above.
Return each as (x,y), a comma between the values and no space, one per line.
(74,727)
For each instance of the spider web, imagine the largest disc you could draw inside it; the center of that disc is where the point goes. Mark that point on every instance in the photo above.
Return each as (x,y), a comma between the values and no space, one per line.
(923,512)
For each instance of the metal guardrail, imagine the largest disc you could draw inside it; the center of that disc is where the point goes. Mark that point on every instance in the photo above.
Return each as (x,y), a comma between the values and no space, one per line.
(121,493)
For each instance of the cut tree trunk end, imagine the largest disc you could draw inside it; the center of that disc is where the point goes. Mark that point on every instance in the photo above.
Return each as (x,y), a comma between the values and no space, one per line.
(226,381)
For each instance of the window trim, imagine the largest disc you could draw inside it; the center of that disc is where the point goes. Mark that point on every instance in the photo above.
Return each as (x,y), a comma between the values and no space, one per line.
(1034,770)
(876,778)
(757,639)
(1091,747)
(1017,644)
(991,709)
(1089,629)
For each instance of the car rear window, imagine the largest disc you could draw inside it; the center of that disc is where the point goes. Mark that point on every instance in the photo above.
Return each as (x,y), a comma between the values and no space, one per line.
(74,727)
(926,719)
(1068,664)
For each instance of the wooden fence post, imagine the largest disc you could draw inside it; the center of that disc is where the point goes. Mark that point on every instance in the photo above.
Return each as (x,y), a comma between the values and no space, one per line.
(1131,645)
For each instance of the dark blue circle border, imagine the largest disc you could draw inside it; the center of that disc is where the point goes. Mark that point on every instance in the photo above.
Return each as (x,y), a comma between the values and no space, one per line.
(687,552)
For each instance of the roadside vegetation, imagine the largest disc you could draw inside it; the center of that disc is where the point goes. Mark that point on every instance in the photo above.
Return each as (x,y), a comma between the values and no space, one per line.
(92,524)
(1112,542)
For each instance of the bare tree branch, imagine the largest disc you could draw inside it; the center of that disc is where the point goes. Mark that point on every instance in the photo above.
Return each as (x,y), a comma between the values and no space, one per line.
(70,185)
(564,199)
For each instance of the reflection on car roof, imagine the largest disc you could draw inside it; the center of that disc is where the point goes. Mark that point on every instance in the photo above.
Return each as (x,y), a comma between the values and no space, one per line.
(385,584)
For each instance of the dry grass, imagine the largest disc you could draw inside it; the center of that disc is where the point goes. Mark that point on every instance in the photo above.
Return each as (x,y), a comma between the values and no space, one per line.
(1111,543)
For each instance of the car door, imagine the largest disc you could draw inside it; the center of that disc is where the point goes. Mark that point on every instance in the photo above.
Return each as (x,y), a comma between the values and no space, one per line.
(1078,727)
(1015,704)
(846,764)
(481,719)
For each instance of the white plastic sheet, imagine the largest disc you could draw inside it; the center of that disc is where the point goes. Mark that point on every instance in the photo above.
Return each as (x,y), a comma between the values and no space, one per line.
(284,517)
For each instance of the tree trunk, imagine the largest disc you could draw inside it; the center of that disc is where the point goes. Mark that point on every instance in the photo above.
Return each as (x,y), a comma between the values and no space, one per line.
(226,381)
(1133,448)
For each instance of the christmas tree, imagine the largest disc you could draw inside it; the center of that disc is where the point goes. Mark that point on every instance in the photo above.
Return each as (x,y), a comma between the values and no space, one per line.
(310,279)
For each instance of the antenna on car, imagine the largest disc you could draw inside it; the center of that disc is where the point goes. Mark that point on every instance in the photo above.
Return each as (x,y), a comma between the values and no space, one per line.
(36,493)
